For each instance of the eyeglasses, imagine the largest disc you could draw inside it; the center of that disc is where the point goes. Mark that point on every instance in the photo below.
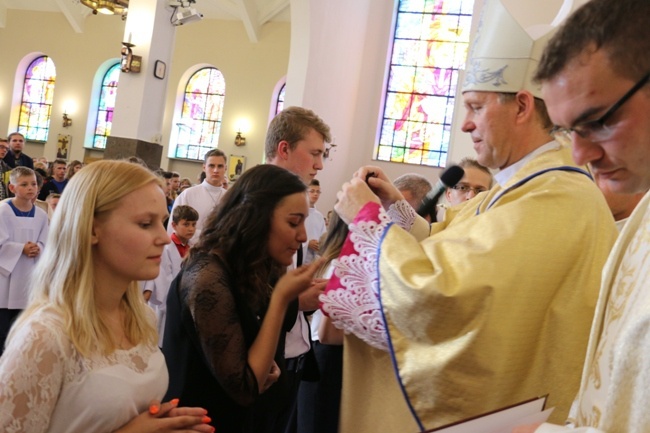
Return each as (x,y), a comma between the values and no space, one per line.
(463,188)
(597,130)
(313,191)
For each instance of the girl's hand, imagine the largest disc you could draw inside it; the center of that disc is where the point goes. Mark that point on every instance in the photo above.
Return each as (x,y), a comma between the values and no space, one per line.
(296,281)
(168,418)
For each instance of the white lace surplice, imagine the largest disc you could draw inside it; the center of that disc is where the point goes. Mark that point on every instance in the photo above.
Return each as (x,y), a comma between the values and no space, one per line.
(351,298)
(48,387)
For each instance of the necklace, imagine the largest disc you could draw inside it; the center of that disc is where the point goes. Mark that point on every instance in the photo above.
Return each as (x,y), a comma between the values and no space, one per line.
(215,197)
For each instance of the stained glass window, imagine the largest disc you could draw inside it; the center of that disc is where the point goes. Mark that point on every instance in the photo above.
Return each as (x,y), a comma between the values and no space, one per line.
(200,122)
(36,105)
(429,47)
(107,95)
(279,104)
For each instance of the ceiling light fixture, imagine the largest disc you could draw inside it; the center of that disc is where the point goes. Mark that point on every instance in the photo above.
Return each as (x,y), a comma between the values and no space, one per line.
(107,7)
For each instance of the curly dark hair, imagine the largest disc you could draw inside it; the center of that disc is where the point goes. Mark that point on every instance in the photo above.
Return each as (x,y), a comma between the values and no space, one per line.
(238,229)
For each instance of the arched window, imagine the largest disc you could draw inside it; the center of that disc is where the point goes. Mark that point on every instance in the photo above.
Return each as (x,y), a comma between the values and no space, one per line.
(429,47)
(107,95)
(200,121)
(36,104)
(279,102)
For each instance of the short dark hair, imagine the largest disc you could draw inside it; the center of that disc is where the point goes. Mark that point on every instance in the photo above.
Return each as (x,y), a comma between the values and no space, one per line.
(314,182)
(214,152)
(540,108)
(471,162)
(184,212)
(137,160)
(39,179)
(292,125)
(14,133)
(619,27)
(418,185)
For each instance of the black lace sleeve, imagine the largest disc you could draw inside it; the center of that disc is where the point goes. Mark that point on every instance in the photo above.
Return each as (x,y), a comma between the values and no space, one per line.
(225,327)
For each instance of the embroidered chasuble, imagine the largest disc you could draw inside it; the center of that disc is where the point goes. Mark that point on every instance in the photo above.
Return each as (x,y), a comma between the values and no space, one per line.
(493,308)
(615,387)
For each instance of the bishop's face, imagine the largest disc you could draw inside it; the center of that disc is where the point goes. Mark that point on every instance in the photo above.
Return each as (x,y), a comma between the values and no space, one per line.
(490,122)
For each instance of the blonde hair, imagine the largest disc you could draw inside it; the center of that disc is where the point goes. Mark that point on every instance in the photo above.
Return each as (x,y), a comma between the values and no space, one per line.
(337,232)
(64,276)
(18,172)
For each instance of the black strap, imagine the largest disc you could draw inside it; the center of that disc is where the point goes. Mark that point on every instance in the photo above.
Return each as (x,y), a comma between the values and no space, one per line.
(299,259)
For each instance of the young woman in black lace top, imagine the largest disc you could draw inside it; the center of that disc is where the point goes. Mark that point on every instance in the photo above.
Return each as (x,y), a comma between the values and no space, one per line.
(224,334)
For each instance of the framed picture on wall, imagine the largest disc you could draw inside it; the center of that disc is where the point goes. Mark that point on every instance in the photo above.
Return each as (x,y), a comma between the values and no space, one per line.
(62,146)
(159,69)
(236,167)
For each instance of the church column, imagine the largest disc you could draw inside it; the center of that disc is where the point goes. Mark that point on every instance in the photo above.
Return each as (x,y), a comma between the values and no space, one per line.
(336,68)
(140,103)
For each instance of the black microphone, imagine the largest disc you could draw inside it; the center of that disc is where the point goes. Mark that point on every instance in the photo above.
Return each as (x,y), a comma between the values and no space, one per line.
(448,179)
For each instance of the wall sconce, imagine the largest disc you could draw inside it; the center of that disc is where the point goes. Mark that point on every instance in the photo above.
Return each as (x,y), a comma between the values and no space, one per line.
(326,154)
(67,120)
(240,140)
(130,62)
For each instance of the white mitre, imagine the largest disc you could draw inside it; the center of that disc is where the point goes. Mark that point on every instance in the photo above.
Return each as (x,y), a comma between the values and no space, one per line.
(504,56)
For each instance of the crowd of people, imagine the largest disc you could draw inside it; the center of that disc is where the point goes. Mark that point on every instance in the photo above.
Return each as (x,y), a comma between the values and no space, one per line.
(267,317)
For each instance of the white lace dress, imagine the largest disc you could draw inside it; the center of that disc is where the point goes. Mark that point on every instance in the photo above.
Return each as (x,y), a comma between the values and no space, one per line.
(47,386)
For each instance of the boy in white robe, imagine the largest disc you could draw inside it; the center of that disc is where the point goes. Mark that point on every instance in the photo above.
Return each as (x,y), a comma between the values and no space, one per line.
(23,232)
(183,224)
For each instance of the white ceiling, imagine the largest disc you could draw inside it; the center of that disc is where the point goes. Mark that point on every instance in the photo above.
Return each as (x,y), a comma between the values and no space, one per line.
(252,13)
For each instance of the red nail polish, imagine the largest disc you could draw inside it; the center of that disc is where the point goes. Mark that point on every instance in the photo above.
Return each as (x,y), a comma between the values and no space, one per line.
(174,402)
(206,419)
(153,409)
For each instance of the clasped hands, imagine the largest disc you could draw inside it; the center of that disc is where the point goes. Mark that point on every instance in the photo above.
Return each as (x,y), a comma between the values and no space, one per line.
(168,417)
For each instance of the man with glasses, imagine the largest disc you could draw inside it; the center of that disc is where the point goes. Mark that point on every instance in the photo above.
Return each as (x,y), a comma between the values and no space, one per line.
(495,305)
(594,76)
(477,179)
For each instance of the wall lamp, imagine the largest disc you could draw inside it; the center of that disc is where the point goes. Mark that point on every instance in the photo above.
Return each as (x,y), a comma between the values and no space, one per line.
(326,154)
(130,62)
(240,140)
(67,120)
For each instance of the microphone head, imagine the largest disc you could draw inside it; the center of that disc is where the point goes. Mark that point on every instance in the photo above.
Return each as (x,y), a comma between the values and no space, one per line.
(452,176)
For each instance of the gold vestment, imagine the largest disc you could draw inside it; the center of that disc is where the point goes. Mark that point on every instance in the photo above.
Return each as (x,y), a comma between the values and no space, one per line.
(493,308)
